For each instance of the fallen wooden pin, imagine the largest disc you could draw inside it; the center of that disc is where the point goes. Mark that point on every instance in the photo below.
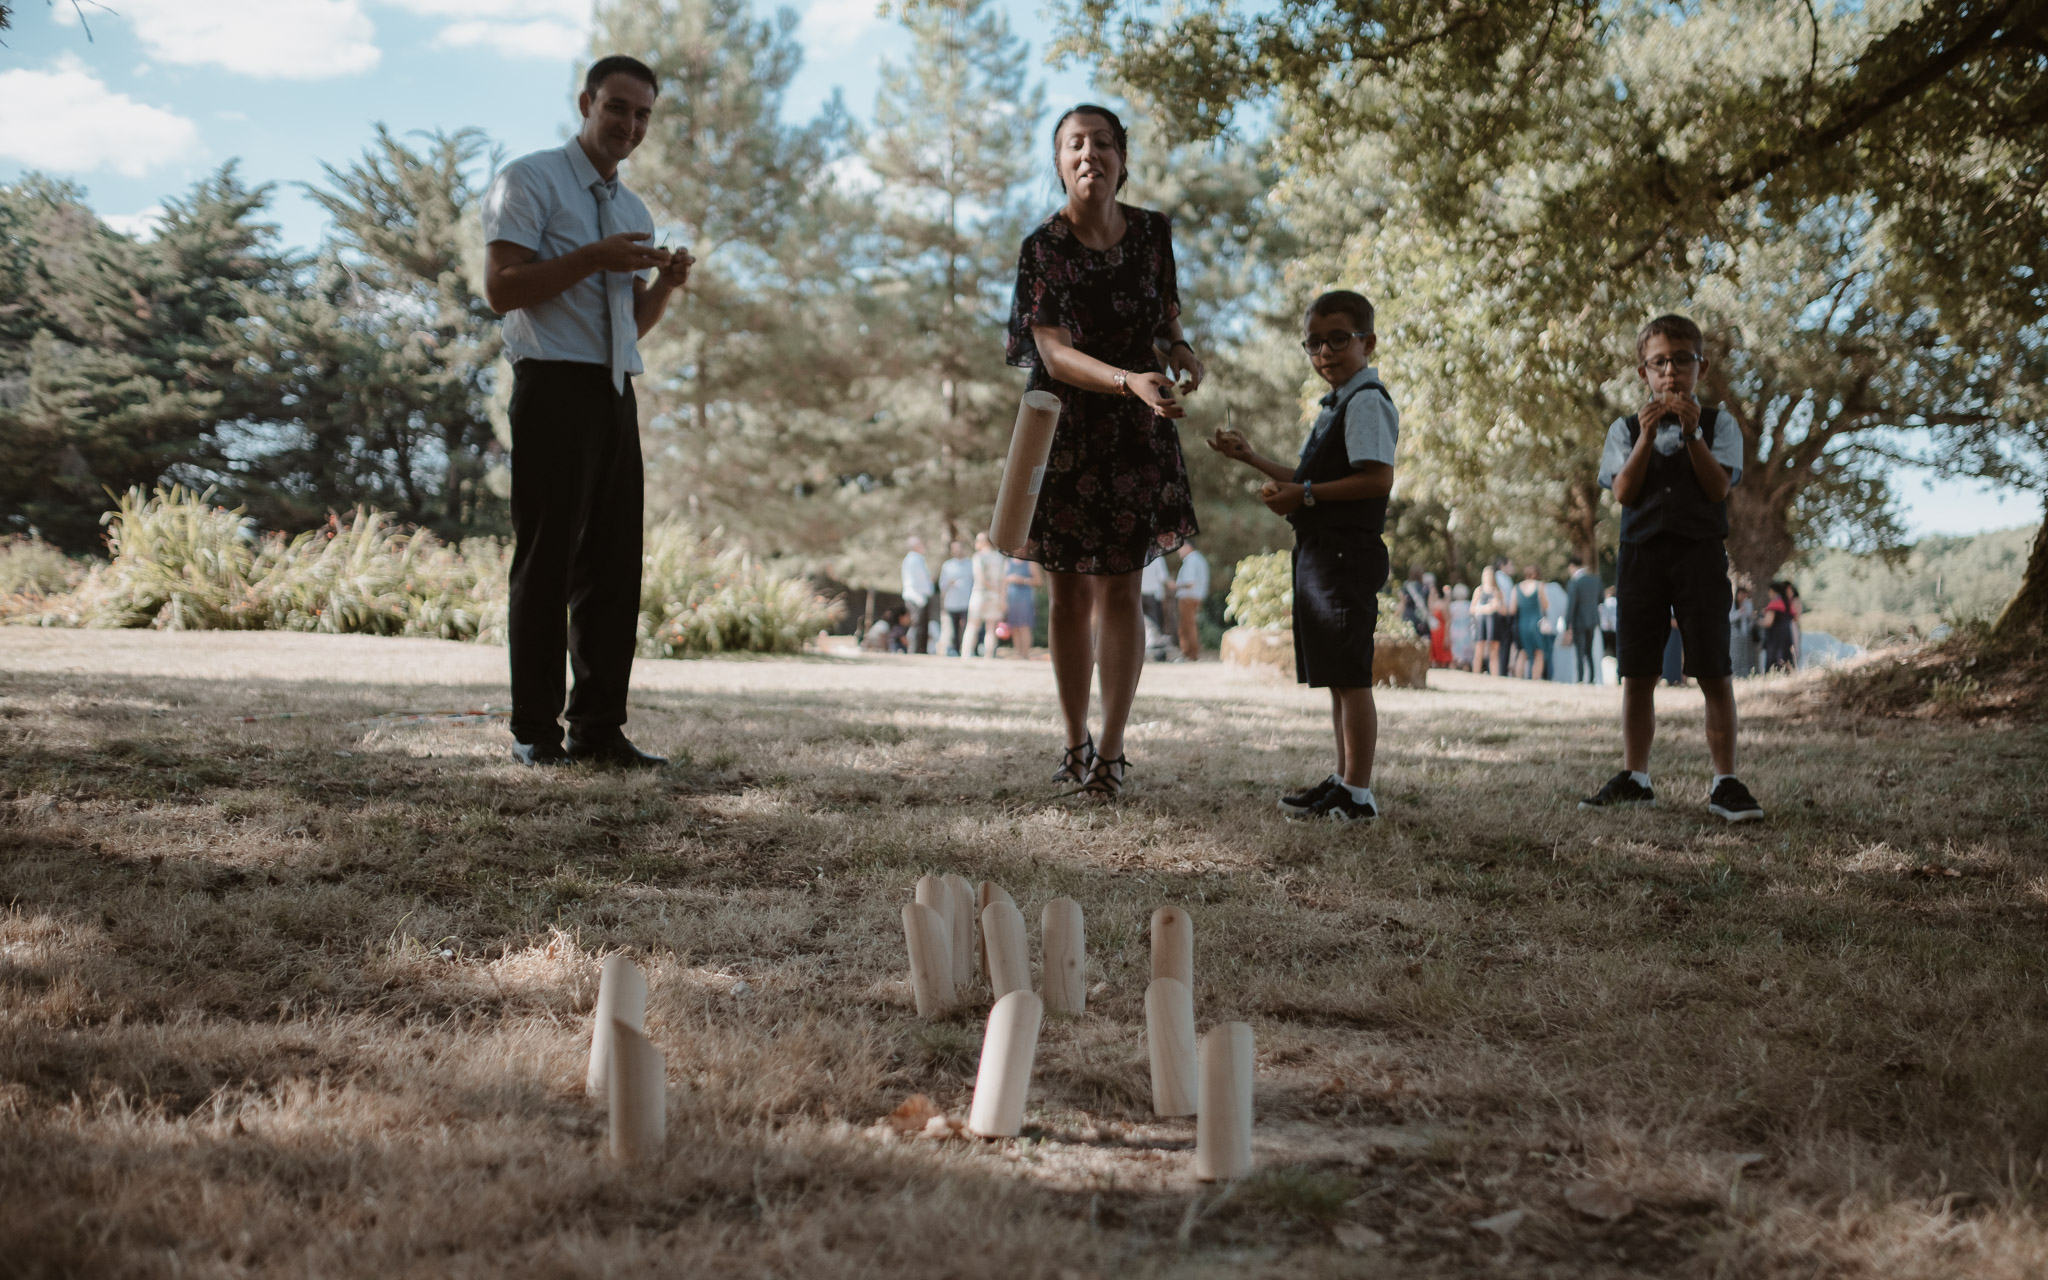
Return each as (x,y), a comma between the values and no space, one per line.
(621,996)
(1009,955)
(1170,1034)
(1003,1082)
(930,945)
(1223,1119)
(637,1090)
(1063,955)
(1173,946)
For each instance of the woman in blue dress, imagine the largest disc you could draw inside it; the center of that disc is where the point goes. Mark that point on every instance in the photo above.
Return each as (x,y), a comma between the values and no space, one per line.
(1020,608)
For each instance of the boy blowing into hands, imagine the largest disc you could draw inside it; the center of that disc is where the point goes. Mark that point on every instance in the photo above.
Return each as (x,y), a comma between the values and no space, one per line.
(1671,466)
(1336,499)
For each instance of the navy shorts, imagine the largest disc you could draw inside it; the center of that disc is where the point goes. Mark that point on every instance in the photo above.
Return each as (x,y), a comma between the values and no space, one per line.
(1667,577)
(1337,581)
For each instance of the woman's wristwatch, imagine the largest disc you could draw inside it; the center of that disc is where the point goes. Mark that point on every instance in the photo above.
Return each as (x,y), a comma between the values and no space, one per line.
(1181,342)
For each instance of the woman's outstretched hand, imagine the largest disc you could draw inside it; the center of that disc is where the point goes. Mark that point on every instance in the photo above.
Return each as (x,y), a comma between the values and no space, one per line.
(1186,368)
(1156,389)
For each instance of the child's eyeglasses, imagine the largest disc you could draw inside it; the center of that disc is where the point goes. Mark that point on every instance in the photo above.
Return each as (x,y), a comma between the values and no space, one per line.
(1335,342)
(1664,364)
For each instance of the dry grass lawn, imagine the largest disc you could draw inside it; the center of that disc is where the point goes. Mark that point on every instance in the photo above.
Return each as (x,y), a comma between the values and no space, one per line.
(308,994)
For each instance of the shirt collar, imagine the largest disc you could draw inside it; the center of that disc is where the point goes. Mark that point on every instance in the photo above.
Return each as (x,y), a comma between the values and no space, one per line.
(586,173)
(1359,379)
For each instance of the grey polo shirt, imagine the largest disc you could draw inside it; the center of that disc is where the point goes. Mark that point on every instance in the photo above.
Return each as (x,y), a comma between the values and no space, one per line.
(1372,426)
(1727,447)
(544,202)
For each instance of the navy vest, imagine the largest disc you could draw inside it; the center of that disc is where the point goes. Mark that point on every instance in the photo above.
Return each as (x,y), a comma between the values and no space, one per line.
(1672,500)
(1328,459)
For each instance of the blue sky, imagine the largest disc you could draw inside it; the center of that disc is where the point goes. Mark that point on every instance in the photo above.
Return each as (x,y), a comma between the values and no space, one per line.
(167,90)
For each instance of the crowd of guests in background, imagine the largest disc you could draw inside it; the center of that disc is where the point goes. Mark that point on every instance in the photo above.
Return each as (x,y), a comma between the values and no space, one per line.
(1524,625)
(984,600)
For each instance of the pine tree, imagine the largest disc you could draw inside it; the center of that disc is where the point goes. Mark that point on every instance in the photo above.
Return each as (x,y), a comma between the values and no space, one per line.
(953,144)
(373,377)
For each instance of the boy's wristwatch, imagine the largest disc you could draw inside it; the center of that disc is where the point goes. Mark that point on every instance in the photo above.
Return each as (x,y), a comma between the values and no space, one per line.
(1308,493)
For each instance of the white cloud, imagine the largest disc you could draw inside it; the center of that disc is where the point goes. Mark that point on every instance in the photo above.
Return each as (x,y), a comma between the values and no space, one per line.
(838,22)
(574,13)
(140,225)
(540,39)
(267,39)
(82,125)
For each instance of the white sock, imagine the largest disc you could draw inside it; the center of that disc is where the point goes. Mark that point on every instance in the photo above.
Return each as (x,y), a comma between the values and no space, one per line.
(1359,795)
(1642,779)
(1717,781)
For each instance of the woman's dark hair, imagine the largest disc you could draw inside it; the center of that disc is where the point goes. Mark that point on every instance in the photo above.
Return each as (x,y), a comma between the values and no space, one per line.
(1116,132)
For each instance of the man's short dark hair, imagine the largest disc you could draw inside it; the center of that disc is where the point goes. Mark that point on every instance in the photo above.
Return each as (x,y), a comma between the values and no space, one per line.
(1342,302)
(1675,327)
(618,64)
(1574,562)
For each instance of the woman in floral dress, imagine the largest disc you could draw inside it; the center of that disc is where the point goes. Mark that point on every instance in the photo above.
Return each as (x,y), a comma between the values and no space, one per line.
(1096,307)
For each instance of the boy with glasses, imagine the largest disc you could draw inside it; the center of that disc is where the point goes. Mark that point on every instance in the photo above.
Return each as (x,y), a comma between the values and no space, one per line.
(1336,499)
(1670,466)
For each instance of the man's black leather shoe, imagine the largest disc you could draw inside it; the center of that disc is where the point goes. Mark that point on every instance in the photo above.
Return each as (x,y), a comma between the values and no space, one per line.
(539,753)
(613,749)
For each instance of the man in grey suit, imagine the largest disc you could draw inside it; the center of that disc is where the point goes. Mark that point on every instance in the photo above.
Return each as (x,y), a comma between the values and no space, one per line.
(1582,617)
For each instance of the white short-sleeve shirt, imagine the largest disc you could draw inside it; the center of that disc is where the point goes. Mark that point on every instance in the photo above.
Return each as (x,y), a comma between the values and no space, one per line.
(1727,447)
(1372,426)
(544,202)
(1192,582)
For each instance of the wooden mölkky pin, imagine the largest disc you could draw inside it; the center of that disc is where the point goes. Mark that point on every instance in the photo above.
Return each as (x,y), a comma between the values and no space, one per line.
(1170,1034)
(1223,1121)
(934,892)
(986,892)
(1173,945)
(1003,1082)
(965,933)
(1009,954)
(1063,953)
(931,960)
(637,1094)
(1030,442)
(621,994)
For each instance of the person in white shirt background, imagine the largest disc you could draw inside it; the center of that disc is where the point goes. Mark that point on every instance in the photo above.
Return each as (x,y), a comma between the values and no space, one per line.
(956,587)
(917,592)
(1190,589)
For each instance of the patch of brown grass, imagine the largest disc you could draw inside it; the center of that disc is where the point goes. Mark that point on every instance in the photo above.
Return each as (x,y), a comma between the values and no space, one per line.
(309,994)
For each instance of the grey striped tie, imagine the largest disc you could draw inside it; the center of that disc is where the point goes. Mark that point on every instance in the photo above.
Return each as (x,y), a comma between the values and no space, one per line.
(618,295)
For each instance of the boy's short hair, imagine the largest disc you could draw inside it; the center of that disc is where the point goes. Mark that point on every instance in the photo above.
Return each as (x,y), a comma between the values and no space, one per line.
(1341,302)
(618,64)
(1673,326)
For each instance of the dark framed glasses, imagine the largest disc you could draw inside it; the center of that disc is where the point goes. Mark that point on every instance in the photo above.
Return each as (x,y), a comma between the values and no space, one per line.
(1664,364)
(1335,342)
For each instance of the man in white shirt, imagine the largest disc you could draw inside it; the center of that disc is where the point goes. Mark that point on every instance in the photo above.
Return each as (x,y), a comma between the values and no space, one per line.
(917,591)
(568,263)
(1190,588)
(1155,586)
(956,589)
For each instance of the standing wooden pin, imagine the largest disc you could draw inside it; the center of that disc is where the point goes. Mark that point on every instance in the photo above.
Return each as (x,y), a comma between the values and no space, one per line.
(621,994)
(1063,951)
(931,960)
(1009,955)
(1170,1034)
(934,892)
(1173,945)
(988,891)
(1223,1124)
(638,1095)
(1004,1080)
(964,914)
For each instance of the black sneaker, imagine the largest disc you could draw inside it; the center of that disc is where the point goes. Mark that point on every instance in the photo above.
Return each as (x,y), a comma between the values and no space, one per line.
(1298,804)
(1338,806)
(1621,789)
(612,748)
(1731,800)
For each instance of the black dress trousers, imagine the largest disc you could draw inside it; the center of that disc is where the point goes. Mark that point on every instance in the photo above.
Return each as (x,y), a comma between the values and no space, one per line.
(576,506)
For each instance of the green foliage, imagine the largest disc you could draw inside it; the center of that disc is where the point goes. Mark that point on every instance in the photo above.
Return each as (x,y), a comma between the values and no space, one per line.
(1262,591)
(1865,598)
(31,569)
(182,563)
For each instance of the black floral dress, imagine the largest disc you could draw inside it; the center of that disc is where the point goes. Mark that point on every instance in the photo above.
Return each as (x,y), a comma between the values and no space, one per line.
(1115,494)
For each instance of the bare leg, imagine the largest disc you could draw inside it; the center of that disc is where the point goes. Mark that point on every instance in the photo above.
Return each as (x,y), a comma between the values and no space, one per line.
(1071,623)
(1337,724)
(1639,721)
(1358,731)
(1121,653)
(1720,695)
(1021,637)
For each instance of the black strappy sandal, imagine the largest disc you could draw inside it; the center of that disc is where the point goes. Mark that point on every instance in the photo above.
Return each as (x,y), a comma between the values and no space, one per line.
(1076,762)
(1106,779)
